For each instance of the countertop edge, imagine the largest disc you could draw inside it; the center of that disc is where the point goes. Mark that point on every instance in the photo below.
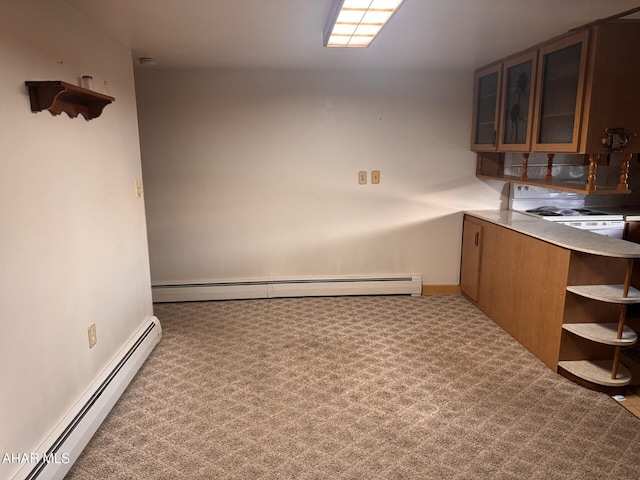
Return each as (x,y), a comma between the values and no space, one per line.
(561,235)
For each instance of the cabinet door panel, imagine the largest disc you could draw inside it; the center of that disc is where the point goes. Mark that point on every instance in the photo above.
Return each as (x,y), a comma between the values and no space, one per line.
(485,108)
(470,268)
(517,103)
(559,105)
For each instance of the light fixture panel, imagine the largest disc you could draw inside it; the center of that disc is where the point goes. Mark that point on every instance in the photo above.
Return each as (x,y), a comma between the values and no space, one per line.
(392,4)
(350,16)
(367,30)
(376,17)
(355,23)
(344,29)
(361,4)
(339,41)
(360,41)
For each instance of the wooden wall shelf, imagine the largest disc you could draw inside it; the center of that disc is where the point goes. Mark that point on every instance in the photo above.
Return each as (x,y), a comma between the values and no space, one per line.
(57,97)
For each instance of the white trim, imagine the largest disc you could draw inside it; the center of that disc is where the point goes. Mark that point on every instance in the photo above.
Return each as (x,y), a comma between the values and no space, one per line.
(69,439)
(301,287)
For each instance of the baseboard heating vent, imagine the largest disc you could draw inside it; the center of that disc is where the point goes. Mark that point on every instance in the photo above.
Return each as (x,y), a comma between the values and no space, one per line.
(319,287)
(63,448)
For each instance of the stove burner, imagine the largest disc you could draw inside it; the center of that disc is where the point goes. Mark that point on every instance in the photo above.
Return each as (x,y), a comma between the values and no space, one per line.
(544,213)
(549,211)
(588,211)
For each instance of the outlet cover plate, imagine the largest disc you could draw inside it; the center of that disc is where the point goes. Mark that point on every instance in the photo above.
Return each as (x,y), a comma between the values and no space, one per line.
(93,338)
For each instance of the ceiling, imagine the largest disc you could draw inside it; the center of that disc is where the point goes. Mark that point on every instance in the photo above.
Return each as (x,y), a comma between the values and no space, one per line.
(287,34)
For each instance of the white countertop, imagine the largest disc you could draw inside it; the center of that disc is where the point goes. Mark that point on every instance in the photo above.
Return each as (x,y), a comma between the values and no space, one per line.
(561,235)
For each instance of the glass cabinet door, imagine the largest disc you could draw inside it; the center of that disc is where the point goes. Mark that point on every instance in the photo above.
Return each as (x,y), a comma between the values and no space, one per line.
(485,108)
(517,103)
(559,105)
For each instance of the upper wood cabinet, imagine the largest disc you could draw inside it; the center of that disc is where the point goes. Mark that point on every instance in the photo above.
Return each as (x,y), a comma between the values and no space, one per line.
(503,105)
(486,108)
(611,93)
(561,82)
(563,95)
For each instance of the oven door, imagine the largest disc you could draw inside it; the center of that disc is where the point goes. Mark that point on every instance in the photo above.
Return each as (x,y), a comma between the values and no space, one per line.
(610,228)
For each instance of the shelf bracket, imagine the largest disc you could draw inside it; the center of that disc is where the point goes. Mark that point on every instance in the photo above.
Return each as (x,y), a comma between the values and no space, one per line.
(624,173)
(622,319)
(591,178)
(525,166)
(549,177)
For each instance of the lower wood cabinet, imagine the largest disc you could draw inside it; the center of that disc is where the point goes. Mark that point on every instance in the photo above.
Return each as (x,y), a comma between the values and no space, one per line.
(521,287)
(566,307)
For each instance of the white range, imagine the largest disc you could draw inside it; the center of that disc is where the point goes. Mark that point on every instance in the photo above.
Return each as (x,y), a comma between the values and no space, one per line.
(563,207)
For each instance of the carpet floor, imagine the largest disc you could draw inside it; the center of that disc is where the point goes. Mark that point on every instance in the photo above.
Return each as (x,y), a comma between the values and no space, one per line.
(353,388)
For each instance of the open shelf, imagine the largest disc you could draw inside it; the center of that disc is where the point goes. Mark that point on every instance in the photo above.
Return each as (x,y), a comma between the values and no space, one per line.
(556,184)
(597,371)
(605,333)
(606,293)
(556,171)
(57,97)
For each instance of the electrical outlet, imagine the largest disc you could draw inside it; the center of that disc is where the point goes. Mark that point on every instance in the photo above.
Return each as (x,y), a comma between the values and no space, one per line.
(375,176)
(138,186)
(93,339)
(362,177)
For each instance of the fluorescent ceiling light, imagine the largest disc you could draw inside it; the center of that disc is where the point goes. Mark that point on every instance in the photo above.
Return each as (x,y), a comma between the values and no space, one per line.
(355,23)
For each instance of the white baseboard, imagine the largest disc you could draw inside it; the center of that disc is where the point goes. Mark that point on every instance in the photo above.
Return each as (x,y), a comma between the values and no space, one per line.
(62,448)
(246,289)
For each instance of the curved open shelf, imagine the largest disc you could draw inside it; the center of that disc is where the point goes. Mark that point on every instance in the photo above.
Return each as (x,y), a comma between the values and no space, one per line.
(606,293)
(57,97)
(598,372)
(606,333)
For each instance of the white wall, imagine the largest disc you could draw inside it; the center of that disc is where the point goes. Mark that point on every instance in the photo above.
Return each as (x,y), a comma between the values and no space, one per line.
(253,174)
(72,236)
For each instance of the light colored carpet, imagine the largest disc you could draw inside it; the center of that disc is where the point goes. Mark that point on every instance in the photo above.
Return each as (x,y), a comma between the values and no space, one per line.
(353,388)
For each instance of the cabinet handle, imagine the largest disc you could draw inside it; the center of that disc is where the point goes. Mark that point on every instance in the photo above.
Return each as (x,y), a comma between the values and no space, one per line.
(494,138)
(477,239)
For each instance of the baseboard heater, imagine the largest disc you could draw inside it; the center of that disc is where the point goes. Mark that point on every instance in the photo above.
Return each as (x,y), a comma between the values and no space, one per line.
(64,445)
(319,287)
